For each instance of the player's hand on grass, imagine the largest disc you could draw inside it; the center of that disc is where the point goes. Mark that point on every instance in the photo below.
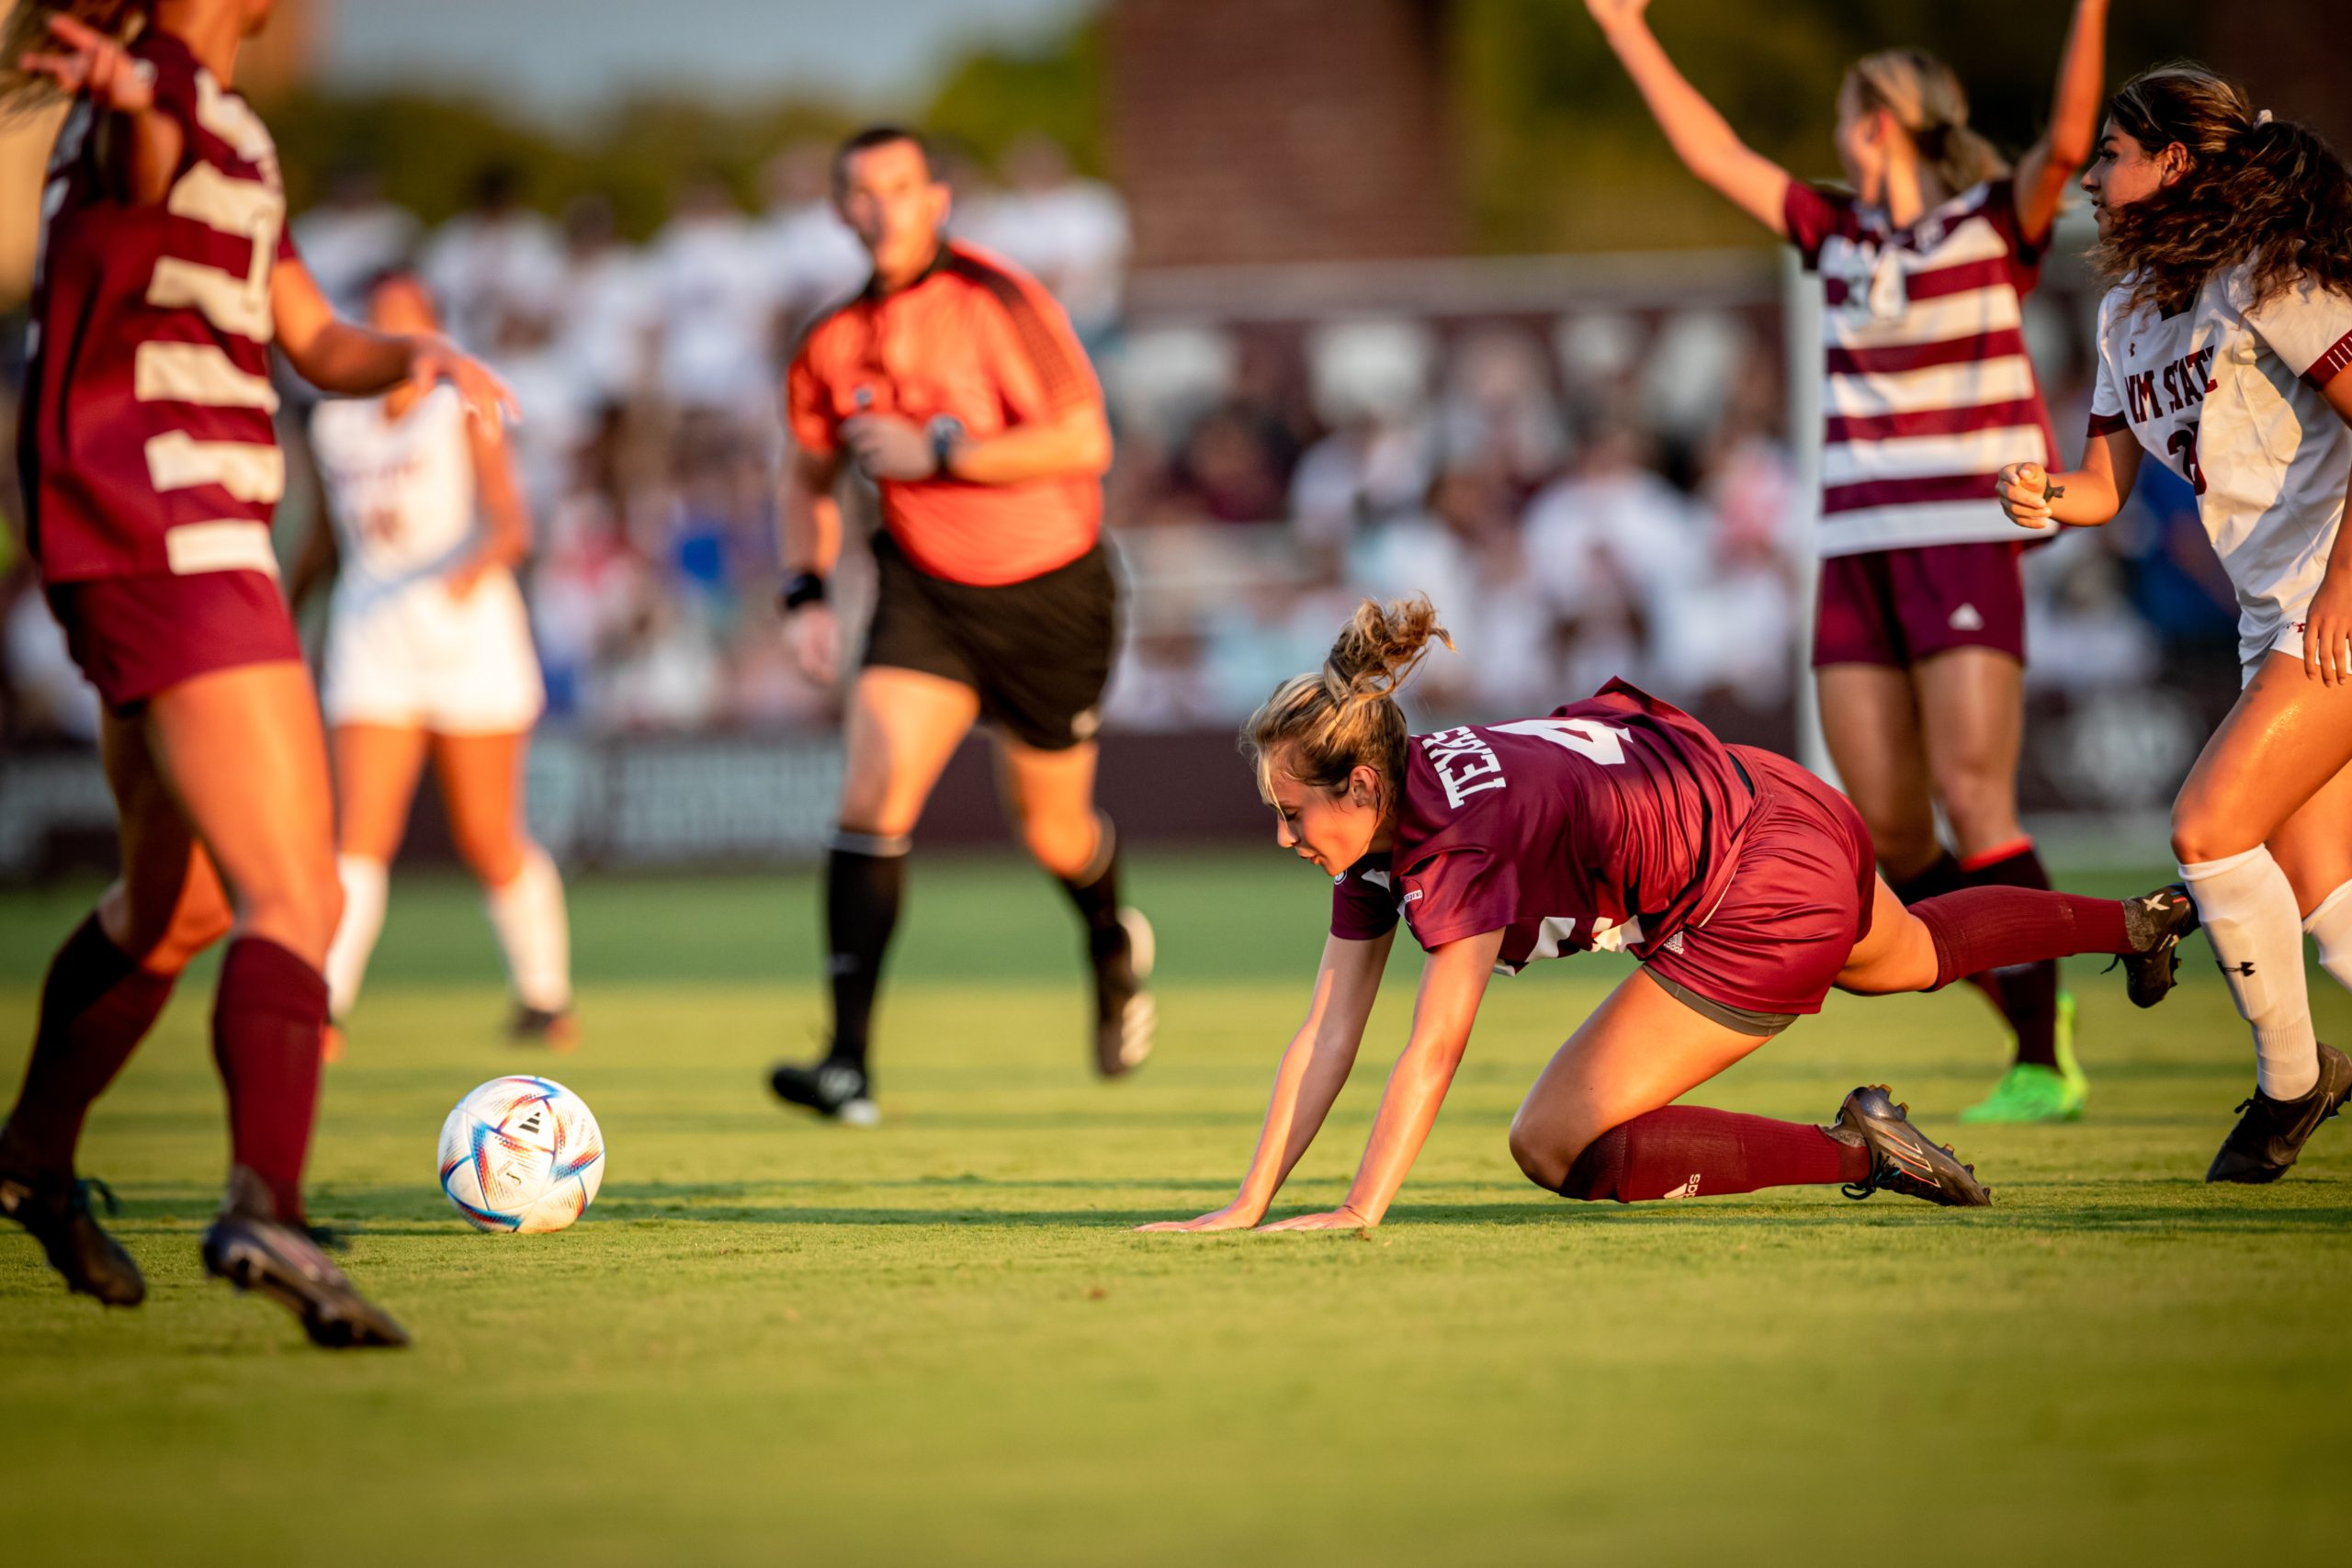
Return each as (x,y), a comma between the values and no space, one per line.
(92,64)
(1339,1218)
(433,360)
(2327,626)
(2024,491)
(813,633)
(887,447)
(1234,1216)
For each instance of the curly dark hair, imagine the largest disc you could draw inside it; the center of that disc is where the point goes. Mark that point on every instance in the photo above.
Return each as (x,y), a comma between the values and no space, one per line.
(2261,190)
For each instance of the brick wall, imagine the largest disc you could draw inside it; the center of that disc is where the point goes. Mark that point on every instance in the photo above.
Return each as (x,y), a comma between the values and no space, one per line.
(1282,131)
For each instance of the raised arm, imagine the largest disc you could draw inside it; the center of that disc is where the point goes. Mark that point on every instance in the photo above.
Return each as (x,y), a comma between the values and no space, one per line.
(1702,138)
(2048,165)
(1452,982)
(140,147)
(1313,1071)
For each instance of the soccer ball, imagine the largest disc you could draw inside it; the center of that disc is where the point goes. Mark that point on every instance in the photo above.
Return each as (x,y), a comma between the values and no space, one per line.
(521,1153)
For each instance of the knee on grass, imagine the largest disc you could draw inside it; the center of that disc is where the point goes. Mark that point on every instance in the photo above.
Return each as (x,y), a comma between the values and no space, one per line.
(1589,1174)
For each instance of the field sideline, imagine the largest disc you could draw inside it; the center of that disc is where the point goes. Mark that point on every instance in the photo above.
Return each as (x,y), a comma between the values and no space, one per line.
(777,1342)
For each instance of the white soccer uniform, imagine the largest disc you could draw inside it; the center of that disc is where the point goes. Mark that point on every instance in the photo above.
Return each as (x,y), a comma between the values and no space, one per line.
(401,649)
(2230,398)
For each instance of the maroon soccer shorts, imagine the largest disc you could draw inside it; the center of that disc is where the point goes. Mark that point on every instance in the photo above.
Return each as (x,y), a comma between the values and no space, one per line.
(1898,607)
(134,636)
(1798,902)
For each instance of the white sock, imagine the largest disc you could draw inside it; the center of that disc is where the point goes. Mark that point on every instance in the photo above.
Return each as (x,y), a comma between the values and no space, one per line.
(2250,918)
(535,934)
(2331,928)
(355,934)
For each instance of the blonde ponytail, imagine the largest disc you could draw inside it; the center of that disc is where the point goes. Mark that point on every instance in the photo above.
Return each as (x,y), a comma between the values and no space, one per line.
(1321,727)
(1923,96)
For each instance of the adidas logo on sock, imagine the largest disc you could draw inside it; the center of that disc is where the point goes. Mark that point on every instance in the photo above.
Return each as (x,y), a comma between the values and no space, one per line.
(1688,1190)
(1966,619)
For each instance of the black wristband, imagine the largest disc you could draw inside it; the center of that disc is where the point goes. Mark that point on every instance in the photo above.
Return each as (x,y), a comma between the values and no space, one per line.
(947,432)
(801,588)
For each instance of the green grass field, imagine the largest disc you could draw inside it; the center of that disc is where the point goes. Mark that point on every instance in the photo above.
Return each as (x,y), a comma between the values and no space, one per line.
(938,1341)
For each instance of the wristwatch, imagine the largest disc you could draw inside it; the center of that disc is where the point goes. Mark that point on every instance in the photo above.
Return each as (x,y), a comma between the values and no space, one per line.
(801,588)
(946,431)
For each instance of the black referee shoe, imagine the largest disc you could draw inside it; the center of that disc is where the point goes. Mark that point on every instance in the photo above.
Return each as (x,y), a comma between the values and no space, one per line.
(2270,1133)
(251,1248)
(835,1091)
(1126,1019)
(55,1210)
(2155,924)
(1902,1158)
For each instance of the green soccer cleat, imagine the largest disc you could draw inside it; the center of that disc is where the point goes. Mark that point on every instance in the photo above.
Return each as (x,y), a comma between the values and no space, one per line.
(2068,1068)
(2029,1092)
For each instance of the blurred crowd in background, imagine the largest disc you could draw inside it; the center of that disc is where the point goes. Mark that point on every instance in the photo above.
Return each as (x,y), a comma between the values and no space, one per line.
(1584,493)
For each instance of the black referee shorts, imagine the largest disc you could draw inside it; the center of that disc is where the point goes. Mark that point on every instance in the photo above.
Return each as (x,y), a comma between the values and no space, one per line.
(1038,651)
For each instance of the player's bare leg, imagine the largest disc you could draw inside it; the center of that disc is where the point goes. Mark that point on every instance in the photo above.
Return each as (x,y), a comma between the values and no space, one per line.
(1050,795)
(244,755)
(903,725)
(1601,1122)
(2279,752)
(376,770)
(481,787)
(1971,703)
(1869,718)
(105,989)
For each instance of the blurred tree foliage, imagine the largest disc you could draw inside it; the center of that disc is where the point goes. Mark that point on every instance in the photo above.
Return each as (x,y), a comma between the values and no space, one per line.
(429,149)
(1558,153)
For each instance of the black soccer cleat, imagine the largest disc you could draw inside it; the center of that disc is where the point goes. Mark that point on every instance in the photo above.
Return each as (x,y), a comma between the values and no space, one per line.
(2155,924)
(1127,1018)
(557,1032)
(55,1210)
(1902,1158)
(835,1091)
(2270,1133)
(251,1248)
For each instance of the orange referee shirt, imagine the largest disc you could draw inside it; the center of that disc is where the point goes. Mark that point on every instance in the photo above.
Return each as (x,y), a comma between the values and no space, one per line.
(981,342)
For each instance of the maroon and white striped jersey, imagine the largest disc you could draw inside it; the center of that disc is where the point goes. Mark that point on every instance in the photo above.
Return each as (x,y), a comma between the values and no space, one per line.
(1930,392)
(1609,825)
(146,445)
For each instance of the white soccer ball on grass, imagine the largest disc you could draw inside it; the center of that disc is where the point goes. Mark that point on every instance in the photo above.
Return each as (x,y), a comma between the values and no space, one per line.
(521,1153)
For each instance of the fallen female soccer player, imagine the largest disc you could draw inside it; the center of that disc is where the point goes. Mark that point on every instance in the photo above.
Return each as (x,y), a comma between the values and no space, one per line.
(1745,884)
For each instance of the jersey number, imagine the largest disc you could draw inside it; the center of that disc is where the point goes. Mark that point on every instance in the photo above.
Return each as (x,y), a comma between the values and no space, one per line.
(1595,742)
(2183,446)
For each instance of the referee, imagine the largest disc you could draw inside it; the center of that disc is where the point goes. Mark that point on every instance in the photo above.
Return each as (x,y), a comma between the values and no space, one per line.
(955,383)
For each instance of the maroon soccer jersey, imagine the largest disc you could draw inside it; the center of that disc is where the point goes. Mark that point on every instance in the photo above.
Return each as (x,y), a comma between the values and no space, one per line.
(145,443)
(1608,825)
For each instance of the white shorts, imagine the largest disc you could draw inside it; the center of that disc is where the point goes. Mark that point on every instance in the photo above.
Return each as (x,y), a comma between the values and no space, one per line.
(418,658)
(2254,650)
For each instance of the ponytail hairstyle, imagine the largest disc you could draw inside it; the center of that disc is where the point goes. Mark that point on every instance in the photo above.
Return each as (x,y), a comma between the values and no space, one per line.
(2257,190)
(1321,728)
(1923,96)
(27,33)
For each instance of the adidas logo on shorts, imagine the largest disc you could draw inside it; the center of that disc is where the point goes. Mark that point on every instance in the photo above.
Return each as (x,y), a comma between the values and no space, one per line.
(1966,619)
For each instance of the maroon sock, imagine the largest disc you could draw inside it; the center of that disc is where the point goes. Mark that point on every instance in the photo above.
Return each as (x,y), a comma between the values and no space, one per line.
(1993,928)
(267,1019)
(1944,875)
(2029,996)
(95,1007)
(1688,1151)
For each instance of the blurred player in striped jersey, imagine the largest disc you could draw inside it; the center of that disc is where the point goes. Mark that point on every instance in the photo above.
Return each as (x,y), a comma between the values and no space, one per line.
(2224,351)
(429,651)
(1919,643)
(151,471)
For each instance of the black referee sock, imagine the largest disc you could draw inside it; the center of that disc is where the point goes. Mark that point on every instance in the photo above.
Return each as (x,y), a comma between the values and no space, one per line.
(864,876)
(2029,992)
(1094,893)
